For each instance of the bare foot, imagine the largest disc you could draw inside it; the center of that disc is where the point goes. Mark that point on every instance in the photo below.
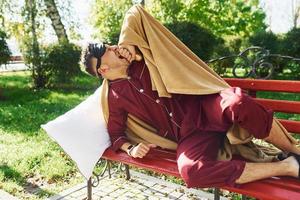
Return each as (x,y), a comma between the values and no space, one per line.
(293,165)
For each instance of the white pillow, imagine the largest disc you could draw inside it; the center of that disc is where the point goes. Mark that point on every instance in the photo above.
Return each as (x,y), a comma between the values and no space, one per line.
(82,133)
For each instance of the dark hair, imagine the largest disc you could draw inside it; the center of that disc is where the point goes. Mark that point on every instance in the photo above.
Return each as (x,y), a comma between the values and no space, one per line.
(92,50)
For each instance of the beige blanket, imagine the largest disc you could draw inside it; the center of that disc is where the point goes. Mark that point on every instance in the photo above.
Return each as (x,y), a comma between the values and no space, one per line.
(174,68)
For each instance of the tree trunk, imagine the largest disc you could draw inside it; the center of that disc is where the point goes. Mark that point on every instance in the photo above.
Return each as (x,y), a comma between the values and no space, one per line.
(37,73)
(296,17)
(53,14)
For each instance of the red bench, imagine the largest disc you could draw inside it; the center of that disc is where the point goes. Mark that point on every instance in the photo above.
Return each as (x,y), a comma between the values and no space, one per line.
(164,162)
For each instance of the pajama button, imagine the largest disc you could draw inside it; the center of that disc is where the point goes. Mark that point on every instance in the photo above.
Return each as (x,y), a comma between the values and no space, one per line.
(171,114)
(141,90)
(157,100)
(128,77)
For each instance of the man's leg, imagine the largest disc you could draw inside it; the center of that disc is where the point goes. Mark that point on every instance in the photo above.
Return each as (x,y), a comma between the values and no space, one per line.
(198,164)
(199,167)
(242,109)
(257,171)
(281,141)
(250,115)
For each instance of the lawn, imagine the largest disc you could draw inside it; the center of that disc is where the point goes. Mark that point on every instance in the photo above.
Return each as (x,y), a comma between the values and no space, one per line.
(33,166)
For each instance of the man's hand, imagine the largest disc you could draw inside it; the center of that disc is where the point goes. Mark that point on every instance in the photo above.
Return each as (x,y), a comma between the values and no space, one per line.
(133,55)
(141,150)
(125,53)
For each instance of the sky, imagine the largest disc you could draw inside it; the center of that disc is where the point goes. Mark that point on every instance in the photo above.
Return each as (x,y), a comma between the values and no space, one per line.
(278,16)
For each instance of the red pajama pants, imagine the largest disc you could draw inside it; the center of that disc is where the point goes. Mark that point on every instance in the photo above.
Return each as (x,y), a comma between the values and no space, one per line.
(197,152)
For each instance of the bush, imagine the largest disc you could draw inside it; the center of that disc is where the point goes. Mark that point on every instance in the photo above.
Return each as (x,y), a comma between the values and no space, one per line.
(291,47)
(200,40)
(291,43)
(266,40)
(220,67)
(272,42)
(4,50)
(61,62)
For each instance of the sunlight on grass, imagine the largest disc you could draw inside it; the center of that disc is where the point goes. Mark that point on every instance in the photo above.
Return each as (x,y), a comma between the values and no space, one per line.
(32,166)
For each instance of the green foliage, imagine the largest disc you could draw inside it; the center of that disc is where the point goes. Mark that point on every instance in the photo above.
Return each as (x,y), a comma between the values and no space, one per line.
(167,11)
(4,50)
(227,17)
(61,62)
(272,42)
(291,42)
(220,67)
(30,46)
(107,17)
(223,18)
(291,47)
(266,40)
(200,40)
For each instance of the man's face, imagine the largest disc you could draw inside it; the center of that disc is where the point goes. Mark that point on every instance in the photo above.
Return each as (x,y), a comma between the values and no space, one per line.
(112,57)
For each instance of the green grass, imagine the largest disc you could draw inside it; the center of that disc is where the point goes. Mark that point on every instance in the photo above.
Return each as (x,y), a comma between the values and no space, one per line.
(32,166)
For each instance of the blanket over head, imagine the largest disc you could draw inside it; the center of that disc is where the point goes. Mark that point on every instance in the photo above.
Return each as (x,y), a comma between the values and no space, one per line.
(174,68)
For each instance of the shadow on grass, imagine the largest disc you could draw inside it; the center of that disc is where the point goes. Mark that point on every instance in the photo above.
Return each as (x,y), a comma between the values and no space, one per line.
(28,187)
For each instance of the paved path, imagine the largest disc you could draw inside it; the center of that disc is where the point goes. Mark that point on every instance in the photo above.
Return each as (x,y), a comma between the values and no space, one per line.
(139,187)
(6,196)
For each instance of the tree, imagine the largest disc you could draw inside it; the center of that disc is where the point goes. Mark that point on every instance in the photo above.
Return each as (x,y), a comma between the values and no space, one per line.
(223,18)
(167,11)
(227,17)
(107,17)
(296,12)
(31,44)
(53,14)
(4,50)
(4,53)
(2,13)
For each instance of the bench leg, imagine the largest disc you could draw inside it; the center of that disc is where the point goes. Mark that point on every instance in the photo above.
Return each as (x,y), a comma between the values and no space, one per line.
(96,181)
(109,168)
(89,189)
(216,194)
(127,172)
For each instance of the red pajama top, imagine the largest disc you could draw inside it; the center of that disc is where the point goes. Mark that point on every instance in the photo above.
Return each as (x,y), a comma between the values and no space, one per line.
(173,117)
(203,118)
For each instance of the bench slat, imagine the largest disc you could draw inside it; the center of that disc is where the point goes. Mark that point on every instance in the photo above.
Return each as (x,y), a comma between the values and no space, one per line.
(284,188)
(281,105)
(265,85)
(267,189)
(290,125)
(166,163)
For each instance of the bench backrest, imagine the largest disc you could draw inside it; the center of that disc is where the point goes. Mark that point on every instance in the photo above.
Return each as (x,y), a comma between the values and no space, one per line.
(285,106)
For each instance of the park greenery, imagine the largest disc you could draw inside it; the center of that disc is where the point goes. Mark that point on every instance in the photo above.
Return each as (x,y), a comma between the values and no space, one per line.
(4,50)
(32,166)
(222,28)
